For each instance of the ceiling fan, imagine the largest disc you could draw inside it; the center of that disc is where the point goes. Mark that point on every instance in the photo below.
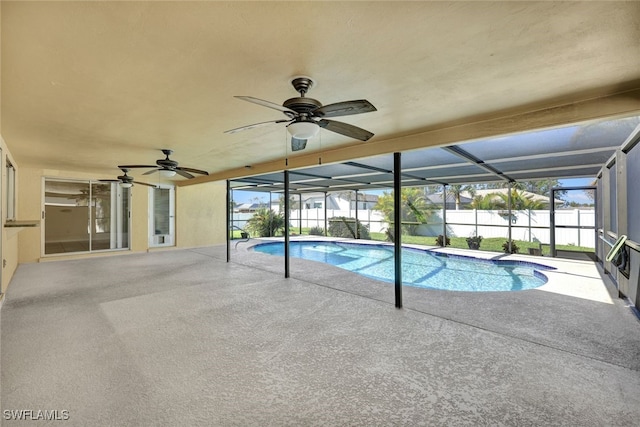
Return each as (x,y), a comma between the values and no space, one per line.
(167,167)
(306,115)
(125,180)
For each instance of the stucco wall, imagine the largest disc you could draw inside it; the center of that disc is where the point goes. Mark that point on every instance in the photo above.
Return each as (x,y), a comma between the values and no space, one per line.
(200,214)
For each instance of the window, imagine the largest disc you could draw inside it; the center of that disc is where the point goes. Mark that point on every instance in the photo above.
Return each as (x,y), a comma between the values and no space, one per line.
(161,216)
(10,207)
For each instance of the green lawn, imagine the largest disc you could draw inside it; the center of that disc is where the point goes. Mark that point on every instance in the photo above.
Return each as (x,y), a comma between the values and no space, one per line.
(492,244)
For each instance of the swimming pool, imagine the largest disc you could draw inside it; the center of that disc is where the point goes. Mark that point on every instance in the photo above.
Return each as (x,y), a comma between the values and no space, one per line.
(420,268)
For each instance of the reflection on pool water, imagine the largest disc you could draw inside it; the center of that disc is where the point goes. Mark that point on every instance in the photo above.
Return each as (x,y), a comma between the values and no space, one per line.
(420,268)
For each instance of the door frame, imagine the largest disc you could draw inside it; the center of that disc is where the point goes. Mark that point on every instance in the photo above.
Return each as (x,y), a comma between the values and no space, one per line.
(162,240)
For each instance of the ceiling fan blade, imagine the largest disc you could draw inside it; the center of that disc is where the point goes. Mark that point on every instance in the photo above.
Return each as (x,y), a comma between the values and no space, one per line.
(298,144)
(267,104)
(180,171)
(144,183)
(255,125)
(192,170)
(151,171)
(137,166)
(345,108)
(109,180)
(345,129)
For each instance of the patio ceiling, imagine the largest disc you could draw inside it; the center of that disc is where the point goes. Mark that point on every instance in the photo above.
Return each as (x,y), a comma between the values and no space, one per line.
(575,151)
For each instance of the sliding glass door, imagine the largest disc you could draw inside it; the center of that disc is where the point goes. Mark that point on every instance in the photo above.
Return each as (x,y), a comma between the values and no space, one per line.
(85,216)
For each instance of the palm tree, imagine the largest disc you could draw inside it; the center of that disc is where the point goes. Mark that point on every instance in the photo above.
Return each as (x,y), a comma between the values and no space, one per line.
(485,203)
(265,223)
(457,191)
(415,208)
(519,201)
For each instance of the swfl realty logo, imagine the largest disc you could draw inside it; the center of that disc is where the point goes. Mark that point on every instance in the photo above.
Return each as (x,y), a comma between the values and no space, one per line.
(36,414)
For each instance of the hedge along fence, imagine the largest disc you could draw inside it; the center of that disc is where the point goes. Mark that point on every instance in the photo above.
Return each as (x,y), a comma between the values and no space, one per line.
(346,227)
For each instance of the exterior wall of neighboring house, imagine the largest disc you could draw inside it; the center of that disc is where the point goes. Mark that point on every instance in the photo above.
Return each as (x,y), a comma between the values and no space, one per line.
(339,201)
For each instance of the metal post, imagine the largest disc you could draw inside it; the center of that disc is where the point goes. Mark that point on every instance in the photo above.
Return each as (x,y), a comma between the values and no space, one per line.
(357,231)
(325,215)
(397,226)
(552,224)
(578,211)
(286,224)
(300,213)
(270,215)
(444,216)
(229,228)
(596,223)
(509,212)
(475,212)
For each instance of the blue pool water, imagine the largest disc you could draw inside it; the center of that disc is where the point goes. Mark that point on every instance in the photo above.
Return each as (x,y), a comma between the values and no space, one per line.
(421,268)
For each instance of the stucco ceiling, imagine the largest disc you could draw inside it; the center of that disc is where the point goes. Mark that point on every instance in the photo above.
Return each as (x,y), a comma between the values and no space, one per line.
(87,86)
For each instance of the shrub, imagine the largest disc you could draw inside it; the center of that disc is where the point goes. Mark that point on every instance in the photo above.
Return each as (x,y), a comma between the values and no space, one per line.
(514,247)
(439,240)
(341,226)
(265,223)
(316,231)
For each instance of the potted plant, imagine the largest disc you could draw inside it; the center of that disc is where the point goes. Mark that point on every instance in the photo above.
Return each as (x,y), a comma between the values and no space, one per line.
(514,247)
(474,242)
(440,241)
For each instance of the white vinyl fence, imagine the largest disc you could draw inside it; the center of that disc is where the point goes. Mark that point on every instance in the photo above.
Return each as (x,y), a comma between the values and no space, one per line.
(532,226)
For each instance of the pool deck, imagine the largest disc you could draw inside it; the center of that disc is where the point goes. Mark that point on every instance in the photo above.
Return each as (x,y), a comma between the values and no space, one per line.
(180,337)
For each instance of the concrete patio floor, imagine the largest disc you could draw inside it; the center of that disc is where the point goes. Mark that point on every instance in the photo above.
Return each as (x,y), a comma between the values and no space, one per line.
(180,337)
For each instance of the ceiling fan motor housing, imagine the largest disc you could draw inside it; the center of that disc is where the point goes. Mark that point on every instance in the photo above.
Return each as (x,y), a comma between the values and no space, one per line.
(167,163)
(302,105)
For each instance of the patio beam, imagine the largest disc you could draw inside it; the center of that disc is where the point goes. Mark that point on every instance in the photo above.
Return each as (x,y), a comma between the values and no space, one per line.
(454,149)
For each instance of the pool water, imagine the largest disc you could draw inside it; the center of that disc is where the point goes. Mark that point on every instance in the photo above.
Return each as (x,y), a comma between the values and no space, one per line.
(420,268)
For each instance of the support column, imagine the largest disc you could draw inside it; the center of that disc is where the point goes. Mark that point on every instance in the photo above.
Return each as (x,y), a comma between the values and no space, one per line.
(286,224)
(509,212)
(357,233)
(552,223)
(444,216)
(397,226)
(300,213)
(270,215)
(326,232)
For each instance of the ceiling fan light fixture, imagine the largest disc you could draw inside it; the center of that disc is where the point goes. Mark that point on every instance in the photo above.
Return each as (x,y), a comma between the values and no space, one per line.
(303,129)
(126,184)
(167,173)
